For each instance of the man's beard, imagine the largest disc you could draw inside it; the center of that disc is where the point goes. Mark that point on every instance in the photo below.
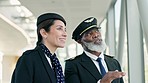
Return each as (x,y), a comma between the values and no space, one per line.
(96,47)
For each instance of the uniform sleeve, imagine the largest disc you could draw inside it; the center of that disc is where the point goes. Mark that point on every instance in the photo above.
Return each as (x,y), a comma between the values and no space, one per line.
(23,72)
(71,74)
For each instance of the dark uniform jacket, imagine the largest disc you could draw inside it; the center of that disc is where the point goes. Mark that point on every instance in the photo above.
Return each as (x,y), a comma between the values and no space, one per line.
(33,67)
(81,69)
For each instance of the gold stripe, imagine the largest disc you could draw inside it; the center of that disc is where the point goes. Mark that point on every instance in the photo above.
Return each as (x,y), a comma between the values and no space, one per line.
(87,29)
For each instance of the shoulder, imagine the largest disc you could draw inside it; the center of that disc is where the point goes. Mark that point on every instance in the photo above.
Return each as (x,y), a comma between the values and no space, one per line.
(27,58)
(32,52)
(77,58)
(110,57)
(74,58)
(29,54)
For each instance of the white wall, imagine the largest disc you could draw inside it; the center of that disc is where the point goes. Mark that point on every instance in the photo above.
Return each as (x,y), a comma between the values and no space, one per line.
(8,64)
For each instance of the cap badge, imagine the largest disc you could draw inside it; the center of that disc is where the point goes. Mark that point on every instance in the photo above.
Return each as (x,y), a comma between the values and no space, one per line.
(89,20)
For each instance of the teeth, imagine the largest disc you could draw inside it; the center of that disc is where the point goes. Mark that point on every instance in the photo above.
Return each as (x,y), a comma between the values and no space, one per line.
(98,41)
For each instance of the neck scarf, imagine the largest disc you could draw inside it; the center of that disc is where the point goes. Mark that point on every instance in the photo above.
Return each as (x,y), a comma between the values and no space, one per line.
(57,68)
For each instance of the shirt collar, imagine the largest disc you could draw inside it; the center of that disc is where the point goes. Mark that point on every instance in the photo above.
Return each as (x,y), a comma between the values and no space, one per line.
(94,57)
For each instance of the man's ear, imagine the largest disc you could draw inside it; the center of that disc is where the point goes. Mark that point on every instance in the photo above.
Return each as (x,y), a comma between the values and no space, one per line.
(79,41)
(43,33)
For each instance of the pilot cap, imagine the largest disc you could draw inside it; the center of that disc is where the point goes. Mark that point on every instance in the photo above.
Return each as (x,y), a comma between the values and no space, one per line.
(84,26)
(48,16)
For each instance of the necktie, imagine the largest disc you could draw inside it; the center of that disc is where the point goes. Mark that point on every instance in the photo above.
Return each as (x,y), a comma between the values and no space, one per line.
(102,70)
(55,64)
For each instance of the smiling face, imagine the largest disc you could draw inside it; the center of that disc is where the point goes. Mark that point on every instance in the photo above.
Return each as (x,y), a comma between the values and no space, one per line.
(92,40)
(56,36)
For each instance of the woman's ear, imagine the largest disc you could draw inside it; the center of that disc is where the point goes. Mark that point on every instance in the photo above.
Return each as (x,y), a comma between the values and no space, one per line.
(43,33)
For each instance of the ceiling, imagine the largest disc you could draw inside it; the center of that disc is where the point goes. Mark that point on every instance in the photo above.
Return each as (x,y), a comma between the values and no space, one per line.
(74,11)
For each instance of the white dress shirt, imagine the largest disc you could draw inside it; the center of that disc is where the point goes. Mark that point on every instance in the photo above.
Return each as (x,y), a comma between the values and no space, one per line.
(94,58)
(49,61)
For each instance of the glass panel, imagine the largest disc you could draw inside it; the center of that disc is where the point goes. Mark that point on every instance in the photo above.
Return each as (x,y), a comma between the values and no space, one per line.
(146,63)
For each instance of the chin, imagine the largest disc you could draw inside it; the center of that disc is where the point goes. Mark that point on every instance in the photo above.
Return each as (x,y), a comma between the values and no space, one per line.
(61,46)
(97,48)
(94,47)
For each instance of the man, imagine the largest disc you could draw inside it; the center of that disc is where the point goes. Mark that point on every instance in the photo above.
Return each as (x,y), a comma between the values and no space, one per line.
(92,66)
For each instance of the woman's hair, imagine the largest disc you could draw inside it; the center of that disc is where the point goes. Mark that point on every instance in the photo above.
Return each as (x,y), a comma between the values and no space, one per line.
(46,26)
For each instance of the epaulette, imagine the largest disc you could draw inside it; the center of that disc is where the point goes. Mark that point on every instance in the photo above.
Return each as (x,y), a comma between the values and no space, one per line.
(71,58)
(111,56)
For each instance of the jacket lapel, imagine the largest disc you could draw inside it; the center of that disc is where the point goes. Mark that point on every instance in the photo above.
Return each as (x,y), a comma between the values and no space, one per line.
(47,66)
(109,64)
(90,66)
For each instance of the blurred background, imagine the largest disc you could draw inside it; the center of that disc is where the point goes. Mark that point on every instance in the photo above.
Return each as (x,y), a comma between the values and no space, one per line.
(124,28)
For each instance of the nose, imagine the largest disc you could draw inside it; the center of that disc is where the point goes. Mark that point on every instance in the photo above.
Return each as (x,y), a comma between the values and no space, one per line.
(96,35)
(64,33)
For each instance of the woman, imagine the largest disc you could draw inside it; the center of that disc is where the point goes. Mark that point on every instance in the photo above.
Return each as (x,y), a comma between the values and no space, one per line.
(40,65)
